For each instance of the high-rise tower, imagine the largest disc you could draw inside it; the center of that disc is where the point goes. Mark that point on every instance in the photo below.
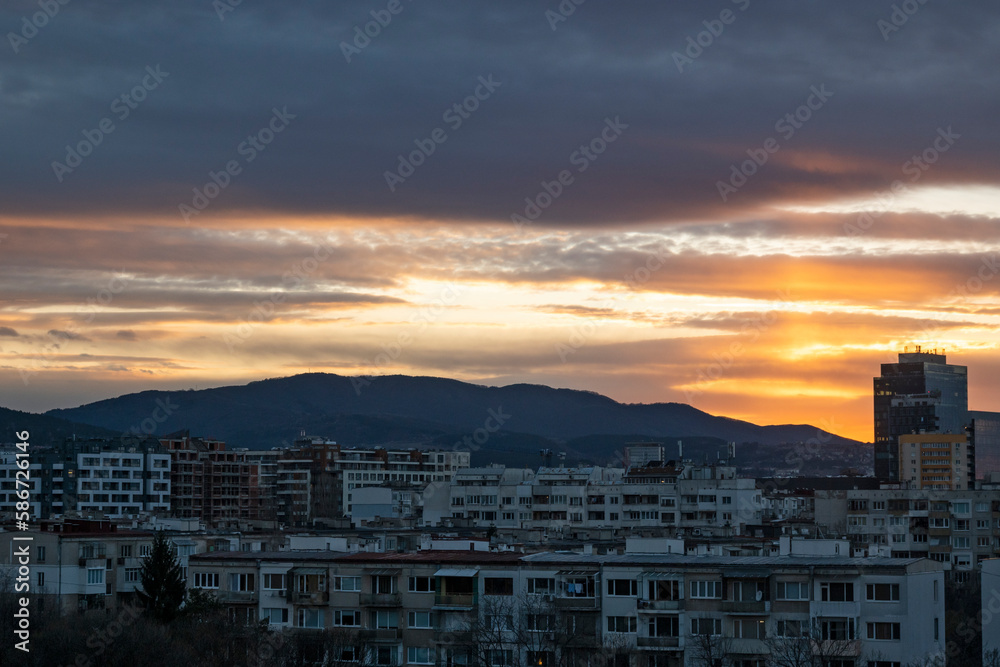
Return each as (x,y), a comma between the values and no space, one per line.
(922,393)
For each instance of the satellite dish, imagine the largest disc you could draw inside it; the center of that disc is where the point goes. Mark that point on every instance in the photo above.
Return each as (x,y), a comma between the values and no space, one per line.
(760,595)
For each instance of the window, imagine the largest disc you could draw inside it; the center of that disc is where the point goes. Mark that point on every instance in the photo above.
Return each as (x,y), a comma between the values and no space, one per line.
(883,631)
(383,584)
(748,628)
(664,589)
(384,619)
(961,524)
(350,618)
(621,623)
(351,584)
(706,589)
(420,655)
(144,550)
(418,619)
(706,626)
(95,575)
(882,592)
(274,582)
(309,618)
(960,542)
(837,629)
(789,629)
(540,622)
(937,631)
(498,586)
(537,586)
(206,579)
(41,579)
(837,592)
(242,582)
(623,587)
(664,626)
(501,657)
(41,554)
(274,615)
(131,575)
(125,550)
(960,508)
(727,500)
(421,584)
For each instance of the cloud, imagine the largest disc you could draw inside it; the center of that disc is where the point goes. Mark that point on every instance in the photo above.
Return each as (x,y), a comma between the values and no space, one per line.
(66,335)
(7,331)
(126,334)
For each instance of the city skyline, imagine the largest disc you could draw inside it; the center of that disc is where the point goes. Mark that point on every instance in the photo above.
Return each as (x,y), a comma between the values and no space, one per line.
(743,207)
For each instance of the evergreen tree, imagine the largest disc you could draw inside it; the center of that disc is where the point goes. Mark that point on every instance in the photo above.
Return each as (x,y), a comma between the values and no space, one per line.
(162,582)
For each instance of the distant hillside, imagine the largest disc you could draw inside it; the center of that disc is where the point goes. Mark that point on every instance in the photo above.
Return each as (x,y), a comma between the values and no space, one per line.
(44,429)
(420,411)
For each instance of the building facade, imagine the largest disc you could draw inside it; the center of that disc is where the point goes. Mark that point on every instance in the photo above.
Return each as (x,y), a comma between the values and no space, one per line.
(919,393)
(448,607)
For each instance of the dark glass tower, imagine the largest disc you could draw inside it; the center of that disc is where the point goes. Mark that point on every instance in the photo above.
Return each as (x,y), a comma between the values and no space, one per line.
(920,393)
(986,439)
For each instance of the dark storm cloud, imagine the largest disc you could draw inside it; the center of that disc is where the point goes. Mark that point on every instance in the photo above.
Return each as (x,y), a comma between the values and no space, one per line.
(7,331)
(557,87)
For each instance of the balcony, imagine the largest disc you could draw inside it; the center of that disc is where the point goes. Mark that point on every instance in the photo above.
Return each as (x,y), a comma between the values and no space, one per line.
(379,599)
(744,607)
(244,597)
(575,603)
(459,601)
(658,642)
(308,597)
(381,635)
(659,605)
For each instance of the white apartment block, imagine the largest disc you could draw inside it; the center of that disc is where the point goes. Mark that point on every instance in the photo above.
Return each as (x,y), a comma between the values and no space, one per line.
(379,467)
(699,500)
(111,482)
(957,528)
(644,610)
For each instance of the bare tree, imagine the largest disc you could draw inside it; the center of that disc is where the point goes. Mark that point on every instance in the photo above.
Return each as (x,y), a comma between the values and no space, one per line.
(709,650)
(808,647)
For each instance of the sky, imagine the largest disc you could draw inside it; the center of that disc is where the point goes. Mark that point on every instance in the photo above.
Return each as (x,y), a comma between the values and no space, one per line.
(740,205)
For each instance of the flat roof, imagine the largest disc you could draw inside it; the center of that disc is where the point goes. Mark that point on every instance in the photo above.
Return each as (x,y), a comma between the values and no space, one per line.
(722,562)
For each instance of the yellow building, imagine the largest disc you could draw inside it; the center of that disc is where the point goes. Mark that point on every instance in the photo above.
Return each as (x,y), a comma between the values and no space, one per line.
(934,461)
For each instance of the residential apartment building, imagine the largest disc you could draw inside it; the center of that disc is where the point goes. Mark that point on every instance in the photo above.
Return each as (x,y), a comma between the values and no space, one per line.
(80,565)
(114,477)
(936,461)
(957,528)
(707,500)
(441,607)
(218,486)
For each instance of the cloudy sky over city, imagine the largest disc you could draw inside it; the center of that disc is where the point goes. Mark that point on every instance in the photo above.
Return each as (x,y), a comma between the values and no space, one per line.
(740,205)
